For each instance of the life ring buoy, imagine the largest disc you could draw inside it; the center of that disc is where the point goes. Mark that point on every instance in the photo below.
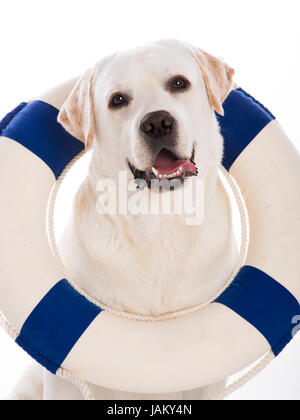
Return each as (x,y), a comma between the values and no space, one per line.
(64,330)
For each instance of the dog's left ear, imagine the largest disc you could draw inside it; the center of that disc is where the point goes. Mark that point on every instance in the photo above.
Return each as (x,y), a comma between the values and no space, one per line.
(77,113)
(218,77)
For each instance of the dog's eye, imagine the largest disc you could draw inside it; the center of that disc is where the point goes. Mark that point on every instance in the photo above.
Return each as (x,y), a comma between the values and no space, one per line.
(118,100)
(178,83)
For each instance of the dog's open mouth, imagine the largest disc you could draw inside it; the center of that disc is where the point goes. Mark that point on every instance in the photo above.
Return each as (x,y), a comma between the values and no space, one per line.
(166,166)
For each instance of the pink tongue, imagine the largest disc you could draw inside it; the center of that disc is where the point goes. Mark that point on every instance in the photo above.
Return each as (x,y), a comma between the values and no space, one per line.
(167,164)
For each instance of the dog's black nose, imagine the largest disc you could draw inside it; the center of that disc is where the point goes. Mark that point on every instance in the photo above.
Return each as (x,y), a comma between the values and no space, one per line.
(157,124)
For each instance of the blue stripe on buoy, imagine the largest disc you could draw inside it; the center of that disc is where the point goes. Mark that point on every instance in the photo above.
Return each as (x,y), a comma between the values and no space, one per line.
(244,118)
(55,325)
(7,119)
(35,127)
(265,304)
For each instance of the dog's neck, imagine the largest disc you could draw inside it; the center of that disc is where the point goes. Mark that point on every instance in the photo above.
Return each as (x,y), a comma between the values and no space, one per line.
(149,264)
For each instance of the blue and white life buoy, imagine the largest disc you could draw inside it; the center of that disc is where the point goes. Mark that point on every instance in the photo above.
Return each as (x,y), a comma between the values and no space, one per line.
(64,330)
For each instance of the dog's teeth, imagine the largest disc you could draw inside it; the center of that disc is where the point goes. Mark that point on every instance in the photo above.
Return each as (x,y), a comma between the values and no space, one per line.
(155,171)
(165,175)
(160,176)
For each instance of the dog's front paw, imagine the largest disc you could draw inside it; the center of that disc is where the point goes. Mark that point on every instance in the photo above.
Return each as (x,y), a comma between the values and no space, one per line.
(16,396)
(29,387)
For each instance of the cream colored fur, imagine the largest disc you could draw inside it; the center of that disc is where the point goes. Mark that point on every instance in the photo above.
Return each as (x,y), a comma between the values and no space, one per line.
(147,264)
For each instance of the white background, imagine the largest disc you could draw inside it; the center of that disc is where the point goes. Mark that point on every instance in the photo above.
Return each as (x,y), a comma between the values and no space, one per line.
(46,42)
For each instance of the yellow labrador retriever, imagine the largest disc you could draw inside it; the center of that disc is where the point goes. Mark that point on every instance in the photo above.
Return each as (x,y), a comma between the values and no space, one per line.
(148,113)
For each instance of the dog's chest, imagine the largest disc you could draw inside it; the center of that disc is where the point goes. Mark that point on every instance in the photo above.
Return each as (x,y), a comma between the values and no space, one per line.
(149,272)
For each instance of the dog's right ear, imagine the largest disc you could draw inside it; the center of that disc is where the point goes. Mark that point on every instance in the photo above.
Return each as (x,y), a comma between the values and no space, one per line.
(77,113)
(218,77)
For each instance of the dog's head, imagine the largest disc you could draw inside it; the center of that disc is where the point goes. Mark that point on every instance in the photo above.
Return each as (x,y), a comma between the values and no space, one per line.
(151,111)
